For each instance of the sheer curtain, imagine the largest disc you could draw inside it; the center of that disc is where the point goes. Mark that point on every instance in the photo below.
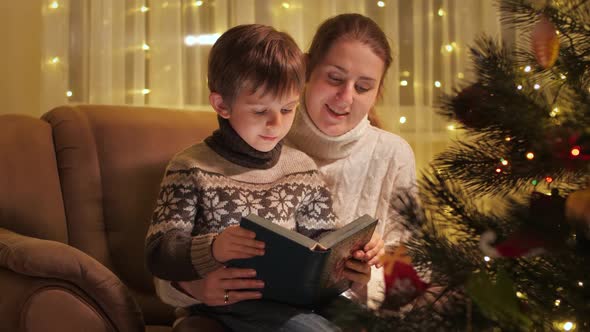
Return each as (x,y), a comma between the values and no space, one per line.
(154,52)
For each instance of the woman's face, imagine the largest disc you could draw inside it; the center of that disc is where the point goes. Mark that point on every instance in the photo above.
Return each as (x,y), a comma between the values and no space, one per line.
(343,87)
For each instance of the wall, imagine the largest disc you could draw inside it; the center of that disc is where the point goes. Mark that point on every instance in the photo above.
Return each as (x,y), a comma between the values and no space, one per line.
(20,56)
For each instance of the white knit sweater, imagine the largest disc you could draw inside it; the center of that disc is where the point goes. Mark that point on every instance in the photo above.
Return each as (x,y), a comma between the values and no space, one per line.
(365,169)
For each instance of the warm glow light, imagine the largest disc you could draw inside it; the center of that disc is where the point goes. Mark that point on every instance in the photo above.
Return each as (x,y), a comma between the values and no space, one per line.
(144,9)
(286,5)
(527,69)
(519,87)
(498,170)
(519,295)
(145,47)
(562,76)
(451,127)
(507,139)
(146,91)
(460,75)
(530,156)
(402,119)
(54,5)
(380,3)
(581,284)
(449,48)
(536,86)
(199,3)
(405,73)
(55,60)
(549,180)
(403,83)
(486,258)
(504,162)
(210,39)
(437,84)
(557,302)
(568,326)
(441,12)
(575,151)
(69,93)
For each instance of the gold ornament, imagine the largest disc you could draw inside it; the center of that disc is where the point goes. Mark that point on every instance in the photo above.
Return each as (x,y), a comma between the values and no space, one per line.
(545,43)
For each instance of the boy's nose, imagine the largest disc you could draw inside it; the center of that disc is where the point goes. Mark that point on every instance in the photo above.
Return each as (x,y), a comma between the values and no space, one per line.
(273,120)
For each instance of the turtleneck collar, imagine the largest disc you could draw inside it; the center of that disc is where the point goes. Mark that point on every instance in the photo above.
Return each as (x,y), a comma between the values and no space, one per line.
(227,143)
(308,138)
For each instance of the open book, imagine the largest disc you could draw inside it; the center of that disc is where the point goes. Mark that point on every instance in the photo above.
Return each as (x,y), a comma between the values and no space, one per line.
(301,271)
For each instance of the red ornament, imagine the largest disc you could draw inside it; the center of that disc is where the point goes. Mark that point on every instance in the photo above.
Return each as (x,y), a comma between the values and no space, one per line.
(545,43)
(400,275)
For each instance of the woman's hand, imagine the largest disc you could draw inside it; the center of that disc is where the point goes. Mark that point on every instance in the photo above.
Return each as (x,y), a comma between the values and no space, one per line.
(236,242)
(372,251)
(224,286)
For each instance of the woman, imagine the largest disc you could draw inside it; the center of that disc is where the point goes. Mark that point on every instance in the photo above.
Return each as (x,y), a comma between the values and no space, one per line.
(366,168)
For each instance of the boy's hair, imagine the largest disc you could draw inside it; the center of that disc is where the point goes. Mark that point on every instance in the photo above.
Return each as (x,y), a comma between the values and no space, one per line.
(253,56)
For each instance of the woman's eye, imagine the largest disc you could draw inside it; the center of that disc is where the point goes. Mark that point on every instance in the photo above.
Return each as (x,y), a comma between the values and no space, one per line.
(334,79)
(362,89)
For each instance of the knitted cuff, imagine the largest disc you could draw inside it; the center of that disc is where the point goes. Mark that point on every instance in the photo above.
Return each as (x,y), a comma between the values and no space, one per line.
(201,255)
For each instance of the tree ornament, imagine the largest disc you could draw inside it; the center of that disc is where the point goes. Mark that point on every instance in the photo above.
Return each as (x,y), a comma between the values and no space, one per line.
(402,282)
(545,43)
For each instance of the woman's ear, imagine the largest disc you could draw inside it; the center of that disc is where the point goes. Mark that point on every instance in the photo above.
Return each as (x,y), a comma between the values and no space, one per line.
(219,105)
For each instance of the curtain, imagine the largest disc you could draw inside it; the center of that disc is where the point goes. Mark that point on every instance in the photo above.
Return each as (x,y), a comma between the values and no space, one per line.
(154,52)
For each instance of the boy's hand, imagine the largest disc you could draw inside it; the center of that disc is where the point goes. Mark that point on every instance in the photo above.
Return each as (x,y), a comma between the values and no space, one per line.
(372,251)
(358,272)
(236,242)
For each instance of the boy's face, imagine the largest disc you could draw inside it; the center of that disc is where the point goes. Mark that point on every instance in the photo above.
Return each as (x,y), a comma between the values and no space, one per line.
(262,120)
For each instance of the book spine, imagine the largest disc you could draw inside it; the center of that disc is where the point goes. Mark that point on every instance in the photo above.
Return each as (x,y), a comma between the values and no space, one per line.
(313,276)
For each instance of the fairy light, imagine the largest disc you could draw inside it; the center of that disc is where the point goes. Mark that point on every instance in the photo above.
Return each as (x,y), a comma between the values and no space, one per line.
(286,5)
(557,302)
(405,73)
(449,48)
(536,86)
(437,84)
(504,162)
(527,69)
(460,75)
(69,94)
(145,47)
(403,83)
(451,127)
(520,295)
(498,170)
(519,87)
(567,326)
(54,5)
(199,3)
(205,39)
(402,119)
(530,155)
(508,139)
(486,258)
(554,112)
(146,91)
(143,9)
(535,182)
(562,76)
(575,151)
(380,3)
(54,60)
(548,179)
(581,284)
(441,12)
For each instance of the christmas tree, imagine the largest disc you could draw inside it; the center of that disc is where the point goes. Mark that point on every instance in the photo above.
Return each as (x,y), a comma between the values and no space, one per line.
(491,246)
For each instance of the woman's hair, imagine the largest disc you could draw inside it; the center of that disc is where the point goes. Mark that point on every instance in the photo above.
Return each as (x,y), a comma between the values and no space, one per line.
(253,56)
(354,27)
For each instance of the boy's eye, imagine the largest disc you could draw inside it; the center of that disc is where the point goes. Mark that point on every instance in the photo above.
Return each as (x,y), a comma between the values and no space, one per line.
(286,110)
(259,112)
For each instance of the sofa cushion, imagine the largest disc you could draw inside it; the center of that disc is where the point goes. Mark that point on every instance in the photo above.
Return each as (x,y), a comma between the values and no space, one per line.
(30,198)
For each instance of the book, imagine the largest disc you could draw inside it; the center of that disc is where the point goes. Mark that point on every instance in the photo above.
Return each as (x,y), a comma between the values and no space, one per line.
(301,271)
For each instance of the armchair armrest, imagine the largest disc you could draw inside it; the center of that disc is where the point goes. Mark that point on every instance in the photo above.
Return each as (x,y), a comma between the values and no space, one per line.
(59,264)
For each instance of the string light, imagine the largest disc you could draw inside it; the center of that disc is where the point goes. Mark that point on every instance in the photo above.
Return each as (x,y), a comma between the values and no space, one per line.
(460,75)
(403,83)
(581,284)
(449,48)
(402,119)
(143,9)
(380,3)
(519,87)
(146,91)
(534,182)
(527,69)
(199,3)
(575,151)
(145,47)
(520,295)
(536,86)
(498,170)
(286,5)
(437,84)
(548,179)
(504,162)
(530,156)
(209,39)
(486,258)
(405,73)
(557,302)
(508,139)
(69,94)
(567,326)
(441,12)
(54,5)
(451,127)
(562,76)
(55,60)
(554,112)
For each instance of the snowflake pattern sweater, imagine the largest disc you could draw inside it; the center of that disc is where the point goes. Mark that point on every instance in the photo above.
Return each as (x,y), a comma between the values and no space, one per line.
(211,185)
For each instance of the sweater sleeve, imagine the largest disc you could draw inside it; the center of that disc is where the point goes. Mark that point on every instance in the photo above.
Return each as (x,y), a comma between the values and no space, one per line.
(172,253)
(315,215)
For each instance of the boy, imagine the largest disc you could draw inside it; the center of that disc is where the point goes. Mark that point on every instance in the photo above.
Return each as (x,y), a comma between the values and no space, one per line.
(255,78)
